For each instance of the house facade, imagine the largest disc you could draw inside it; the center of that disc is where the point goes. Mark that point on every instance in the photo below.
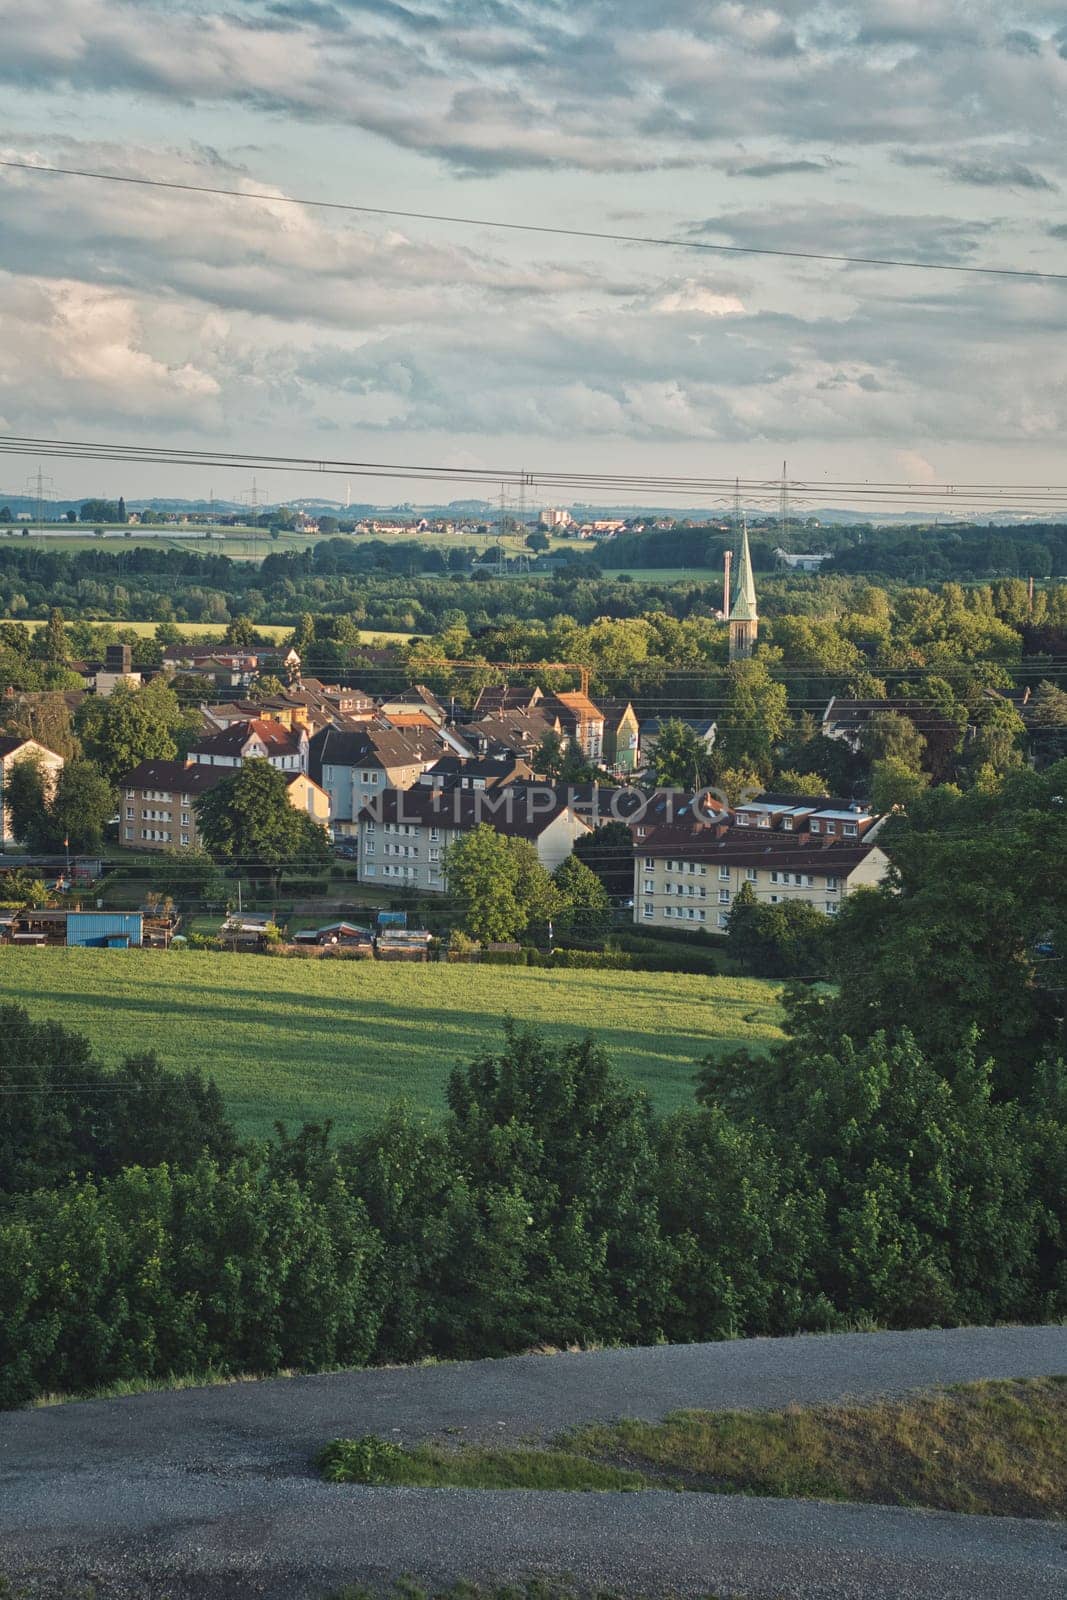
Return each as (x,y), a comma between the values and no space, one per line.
(691,876)
(158,802)
(622,736)
(259,739)
(403,835)
(355,765)
(13,749)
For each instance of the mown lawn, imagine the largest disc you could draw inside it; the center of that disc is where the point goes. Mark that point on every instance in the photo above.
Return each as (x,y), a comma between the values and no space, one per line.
(303,1040)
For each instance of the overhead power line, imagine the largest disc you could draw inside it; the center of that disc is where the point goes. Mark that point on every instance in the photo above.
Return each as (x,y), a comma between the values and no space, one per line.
(1049,498)
(534,227)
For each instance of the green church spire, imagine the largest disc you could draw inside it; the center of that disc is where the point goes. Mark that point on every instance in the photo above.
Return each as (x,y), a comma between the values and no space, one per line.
(744,606)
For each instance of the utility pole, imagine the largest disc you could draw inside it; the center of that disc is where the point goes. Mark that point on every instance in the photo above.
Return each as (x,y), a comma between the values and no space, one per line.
(41,489)
(783,508)
(727,563)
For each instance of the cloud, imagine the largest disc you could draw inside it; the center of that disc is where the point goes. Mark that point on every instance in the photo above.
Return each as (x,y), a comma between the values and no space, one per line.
(779,169)
(591,85)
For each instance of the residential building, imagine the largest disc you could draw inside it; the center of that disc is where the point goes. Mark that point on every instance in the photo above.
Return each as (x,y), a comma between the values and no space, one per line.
(158,802)
(506,697)
(476,772)
(13,749)
(802,562)
(117,668)
(258,739)
(622,736)
(581,723)
(823,817)
(353,765)
(416,699)
(846,719)
(403,834)
(690,876)
(518,732)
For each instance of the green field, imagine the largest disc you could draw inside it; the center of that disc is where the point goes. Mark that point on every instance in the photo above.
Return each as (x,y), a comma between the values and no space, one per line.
(303,1040)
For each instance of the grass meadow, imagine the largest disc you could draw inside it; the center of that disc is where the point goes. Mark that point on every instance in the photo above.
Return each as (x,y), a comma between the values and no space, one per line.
(304,1040)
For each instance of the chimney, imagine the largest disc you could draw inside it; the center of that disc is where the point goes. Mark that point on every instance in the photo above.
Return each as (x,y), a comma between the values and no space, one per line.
(118,658)
(727,563)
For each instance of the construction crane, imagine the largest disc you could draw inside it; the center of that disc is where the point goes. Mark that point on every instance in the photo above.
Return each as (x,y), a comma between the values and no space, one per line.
(522,666)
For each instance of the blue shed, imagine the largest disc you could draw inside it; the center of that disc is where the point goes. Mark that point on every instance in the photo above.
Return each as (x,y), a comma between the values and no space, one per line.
(104,930)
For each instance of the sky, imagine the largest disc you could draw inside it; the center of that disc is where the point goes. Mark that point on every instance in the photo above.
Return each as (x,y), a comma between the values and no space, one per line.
(928,129)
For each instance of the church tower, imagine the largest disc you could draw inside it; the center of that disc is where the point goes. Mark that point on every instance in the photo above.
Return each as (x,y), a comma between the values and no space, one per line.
(744,620)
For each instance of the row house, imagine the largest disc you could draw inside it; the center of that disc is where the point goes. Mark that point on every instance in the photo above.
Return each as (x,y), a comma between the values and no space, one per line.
(158,805)
(690,875)
(403,835)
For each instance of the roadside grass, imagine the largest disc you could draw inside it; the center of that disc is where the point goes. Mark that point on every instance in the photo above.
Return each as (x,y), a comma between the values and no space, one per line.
(301,1041)
(208,1378)
(430,1466)
(992,1449)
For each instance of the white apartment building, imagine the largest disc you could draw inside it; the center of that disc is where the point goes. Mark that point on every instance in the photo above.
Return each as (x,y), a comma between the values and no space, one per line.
(403,834)
(690,877)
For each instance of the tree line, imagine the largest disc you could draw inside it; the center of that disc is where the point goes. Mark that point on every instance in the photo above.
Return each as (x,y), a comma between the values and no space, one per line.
(900,1159)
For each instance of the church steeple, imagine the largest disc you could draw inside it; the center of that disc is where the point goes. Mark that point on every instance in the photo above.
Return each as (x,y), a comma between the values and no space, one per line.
(744,618)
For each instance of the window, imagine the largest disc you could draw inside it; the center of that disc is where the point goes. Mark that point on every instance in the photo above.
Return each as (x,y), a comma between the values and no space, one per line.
(649,908)
(724,873)
(129,813)
(724,920)
(850,830)
(369,870)
(774,879)
(185,819)
(787,824)
(649,862)
(831,883)
(185,838)
(832,908)
(751,874)
(702,915)
(668,911)
(691,914)
(650,885)
(724,897)
(368,847)
(775,899)
(129,833)
(368,827)
(131,794)
(435,855)
(435,834)
(815,825)
(764,822)
(743,819)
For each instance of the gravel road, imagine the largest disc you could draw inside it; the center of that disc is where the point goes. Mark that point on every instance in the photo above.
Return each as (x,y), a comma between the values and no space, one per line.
(209,1492)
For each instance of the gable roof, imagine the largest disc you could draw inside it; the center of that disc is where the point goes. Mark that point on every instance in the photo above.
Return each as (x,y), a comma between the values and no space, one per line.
(740,848)
(278,739)
(515,809)
(175,776)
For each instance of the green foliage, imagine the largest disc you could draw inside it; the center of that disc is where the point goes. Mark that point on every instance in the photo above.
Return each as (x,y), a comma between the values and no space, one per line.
(680,758)
(247,819)
(790,940)
(74,807)
(584,912)
(134,723)
(500,883)
(71,1117)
